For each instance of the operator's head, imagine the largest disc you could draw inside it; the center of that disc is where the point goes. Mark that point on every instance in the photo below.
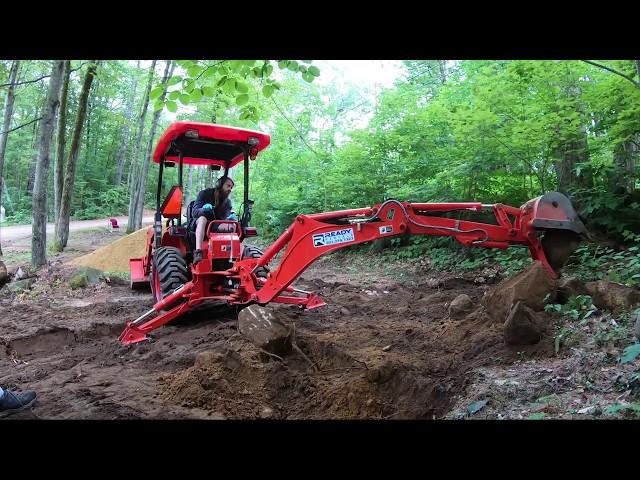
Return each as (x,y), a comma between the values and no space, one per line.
(224,185)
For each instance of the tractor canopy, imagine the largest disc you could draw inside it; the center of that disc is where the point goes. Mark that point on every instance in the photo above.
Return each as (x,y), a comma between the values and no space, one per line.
(208,144)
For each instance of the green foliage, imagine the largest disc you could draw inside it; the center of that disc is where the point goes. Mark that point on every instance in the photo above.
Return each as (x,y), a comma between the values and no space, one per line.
(619,407)
(446,255)
(239,81)
(577,307)
(630,353)
(100,204)
(593,262)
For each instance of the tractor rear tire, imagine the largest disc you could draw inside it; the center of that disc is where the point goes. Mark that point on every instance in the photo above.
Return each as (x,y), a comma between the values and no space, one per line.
(254,252)
(170,271)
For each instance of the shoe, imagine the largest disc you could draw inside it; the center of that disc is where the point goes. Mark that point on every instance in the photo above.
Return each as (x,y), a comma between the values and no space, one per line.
(197,256)
(14,402)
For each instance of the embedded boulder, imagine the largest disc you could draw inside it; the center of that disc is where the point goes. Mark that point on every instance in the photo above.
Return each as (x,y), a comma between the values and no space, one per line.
(523,326)
(262,328)
(530,287)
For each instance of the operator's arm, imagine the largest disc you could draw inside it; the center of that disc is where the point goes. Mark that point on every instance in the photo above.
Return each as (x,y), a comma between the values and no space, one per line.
(198,211)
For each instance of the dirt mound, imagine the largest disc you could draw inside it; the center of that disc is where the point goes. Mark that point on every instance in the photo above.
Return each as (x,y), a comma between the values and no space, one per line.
(235,386)
(371,353)
(219,381)
(115,256)
(529,287)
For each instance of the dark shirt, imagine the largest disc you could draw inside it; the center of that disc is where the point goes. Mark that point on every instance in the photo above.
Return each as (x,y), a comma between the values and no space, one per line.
(217,213)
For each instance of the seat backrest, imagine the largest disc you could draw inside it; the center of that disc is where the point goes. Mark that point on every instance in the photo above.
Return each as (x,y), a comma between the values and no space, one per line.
(189,211)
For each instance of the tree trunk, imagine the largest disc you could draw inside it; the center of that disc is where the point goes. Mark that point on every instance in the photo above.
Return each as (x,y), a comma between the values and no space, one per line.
(122,154)
(142,179)
(573,150)
(443,71)
(32,170)
(571,153)
(6,123)
(133,178)
(623,178)
(45,136)
(62,140)
(62,235)
(34,137)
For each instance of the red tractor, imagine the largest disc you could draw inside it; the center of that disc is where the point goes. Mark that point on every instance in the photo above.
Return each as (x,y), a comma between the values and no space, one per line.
(547,225)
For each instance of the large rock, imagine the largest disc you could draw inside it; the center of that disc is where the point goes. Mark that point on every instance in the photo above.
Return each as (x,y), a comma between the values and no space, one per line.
(613,296)
(85,276)
(530,287)
(4,276)
(21,273)
(523,326)
(21,285)
(460,306)
(265,330)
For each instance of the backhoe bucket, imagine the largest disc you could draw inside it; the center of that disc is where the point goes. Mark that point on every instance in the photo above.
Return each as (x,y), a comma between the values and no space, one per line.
(554,215)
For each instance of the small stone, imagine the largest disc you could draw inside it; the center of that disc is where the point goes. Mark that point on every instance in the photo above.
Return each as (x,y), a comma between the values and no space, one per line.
(20,274)
(266,412)
(387,348)
(460,306)
(587,410)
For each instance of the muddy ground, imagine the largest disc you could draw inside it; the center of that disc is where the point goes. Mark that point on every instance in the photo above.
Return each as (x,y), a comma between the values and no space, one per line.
(384,347)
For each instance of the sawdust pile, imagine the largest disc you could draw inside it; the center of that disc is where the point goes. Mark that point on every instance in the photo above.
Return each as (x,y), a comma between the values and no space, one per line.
(115,256)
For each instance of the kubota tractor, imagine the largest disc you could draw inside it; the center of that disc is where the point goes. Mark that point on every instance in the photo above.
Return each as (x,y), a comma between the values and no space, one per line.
(242,275)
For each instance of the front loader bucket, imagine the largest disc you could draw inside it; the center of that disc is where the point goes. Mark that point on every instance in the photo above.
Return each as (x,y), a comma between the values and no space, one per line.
(136,273)
(563,230)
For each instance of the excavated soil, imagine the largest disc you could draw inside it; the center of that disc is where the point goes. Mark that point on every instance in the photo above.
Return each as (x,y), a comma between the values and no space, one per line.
(384,347)
(115,256)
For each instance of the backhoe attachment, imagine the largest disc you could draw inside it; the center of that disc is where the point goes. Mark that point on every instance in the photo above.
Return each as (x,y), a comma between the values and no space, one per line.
(547,225)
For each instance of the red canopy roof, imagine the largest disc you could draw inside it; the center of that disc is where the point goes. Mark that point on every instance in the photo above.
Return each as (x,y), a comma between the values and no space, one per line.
(199,148)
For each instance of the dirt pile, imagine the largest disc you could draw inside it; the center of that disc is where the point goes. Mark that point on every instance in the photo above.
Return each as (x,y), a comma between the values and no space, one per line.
(385,351)
(613,296)
(115,256)
(530,287)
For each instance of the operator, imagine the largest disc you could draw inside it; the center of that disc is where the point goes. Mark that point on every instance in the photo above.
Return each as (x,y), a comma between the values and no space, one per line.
(212,204)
